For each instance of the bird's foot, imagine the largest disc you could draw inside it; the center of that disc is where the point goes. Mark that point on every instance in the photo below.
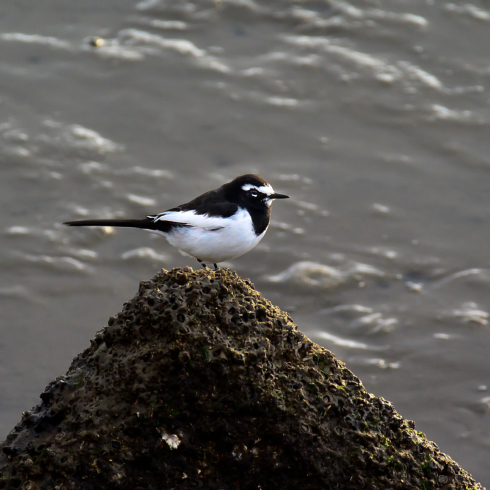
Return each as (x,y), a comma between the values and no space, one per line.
(202,263)
(205,266)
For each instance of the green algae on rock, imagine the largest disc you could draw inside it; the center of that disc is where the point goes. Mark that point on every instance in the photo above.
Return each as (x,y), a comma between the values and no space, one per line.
(201,382)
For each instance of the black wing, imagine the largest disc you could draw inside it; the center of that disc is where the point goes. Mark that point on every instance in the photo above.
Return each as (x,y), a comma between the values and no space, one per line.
(213,203)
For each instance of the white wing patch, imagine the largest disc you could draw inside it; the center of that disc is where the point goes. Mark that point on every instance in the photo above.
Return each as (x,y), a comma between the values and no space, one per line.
(210,238)
(203,221)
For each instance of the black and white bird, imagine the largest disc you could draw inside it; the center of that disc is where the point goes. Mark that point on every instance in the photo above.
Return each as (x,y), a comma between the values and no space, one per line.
(216,226)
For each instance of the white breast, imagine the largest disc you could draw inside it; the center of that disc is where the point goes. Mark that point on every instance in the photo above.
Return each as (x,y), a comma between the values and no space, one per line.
(212,239)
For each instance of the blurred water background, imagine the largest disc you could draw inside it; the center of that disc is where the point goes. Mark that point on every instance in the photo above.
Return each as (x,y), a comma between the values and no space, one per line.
(373,115)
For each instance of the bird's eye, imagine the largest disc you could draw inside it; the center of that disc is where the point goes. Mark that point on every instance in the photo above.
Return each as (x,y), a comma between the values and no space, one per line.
(254,193)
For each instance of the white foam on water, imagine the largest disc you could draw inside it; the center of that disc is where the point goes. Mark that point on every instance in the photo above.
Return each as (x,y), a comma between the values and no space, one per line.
(145,253)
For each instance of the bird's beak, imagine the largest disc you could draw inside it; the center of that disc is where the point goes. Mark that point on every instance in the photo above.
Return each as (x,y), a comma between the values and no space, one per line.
(278,196)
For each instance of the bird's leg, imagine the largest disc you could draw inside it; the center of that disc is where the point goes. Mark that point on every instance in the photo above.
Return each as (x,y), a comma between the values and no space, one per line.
(202,263)
(215,267)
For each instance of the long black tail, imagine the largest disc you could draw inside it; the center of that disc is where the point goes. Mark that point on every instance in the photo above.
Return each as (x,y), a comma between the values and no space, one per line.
(146,224)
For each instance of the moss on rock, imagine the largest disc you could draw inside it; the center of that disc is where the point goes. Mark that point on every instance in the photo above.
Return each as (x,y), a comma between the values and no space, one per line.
(200,382)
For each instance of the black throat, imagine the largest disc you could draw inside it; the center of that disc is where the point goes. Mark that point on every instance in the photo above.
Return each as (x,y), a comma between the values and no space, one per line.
(259,211)
(260,217)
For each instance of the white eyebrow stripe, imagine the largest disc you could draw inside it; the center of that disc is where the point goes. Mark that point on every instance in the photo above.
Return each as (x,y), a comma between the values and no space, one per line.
(263,189)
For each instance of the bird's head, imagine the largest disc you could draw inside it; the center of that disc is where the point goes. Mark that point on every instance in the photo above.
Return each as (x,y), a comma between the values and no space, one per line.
(252,191)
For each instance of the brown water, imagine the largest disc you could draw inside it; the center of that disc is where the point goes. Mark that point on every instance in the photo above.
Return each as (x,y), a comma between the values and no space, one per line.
(374,116)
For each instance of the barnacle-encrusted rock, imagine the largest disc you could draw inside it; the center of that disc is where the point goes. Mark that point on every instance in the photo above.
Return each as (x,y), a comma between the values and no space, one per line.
(202,383)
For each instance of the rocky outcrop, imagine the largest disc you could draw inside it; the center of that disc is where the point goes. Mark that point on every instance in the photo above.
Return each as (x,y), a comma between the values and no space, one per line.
(200,382)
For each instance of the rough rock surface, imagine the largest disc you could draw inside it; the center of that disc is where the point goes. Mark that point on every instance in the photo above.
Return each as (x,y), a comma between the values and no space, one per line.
(202,383)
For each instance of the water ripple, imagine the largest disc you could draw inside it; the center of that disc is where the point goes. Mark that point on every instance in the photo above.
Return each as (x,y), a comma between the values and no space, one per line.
(141,200)
(145,253)
(325,276)
(383,71)
(441,113)
(375,323)
(182,46)
(381,363)
(469,10)
(351,344)
(78,137)
(66,263)
(363,318)
(469,312)
(483,274)
(141,39)
(35,39)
